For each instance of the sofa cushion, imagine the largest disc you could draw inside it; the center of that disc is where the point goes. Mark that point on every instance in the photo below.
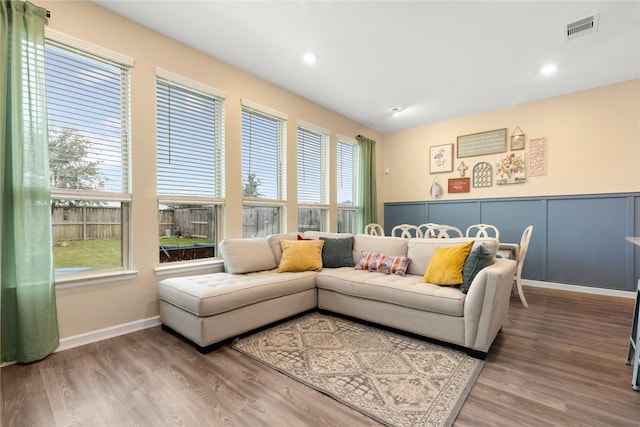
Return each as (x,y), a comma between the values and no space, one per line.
(246,255)
(421,250)
(381,244)
(383,263)
(301,255)
(274,243)
(479,258)
(405,291)
(210,294)
(317,234)
(445,267)
(337,252)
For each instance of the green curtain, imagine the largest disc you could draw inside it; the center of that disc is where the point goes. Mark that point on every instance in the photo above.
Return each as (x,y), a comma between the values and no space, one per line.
(368,202)
(29,319)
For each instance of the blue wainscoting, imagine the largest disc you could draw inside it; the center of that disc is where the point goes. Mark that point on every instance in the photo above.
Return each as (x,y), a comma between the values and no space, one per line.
(577,240)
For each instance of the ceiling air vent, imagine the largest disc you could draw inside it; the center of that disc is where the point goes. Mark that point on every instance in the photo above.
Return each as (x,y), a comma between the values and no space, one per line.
(581,27)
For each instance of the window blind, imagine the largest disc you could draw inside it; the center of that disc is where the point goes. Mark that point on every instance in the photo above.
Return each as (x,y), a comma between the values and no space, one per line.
(347,173)
(190,141)
(313,166)
(263,155)
(88,115)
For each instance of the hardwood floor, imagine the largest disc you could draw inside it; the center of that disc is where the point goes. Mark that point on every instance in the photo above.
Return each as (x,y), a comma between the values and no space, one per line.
(561,362)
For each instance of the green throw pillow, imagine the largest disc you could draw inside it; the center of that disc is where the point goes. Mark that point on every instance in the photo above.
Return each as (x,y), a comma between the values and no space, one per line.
(478,258)
(337,252)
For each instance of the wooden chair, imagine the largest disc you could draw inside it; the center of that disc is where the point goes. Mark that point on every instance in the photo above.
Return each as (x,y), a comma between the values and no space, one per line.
(522,253)
(427,229)
(374,229)
(406,231)
(483,230)
(446,231)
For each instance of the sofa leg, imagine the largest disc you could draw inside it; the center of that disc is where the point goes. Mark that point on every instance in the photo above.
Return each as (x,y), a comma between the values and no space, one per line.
(202,350)
(477,354)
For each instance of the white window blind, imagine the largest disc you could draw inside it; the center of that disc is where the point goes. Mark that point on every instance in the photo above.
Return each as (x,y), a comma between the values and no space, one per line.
(88,114)
(263,155)
(190,141)
(313,167)
(347,173)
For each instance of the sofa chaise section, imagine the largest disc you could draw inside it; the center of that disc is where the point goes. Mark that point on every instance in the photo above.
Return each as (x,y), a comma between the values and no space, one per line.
(210,308)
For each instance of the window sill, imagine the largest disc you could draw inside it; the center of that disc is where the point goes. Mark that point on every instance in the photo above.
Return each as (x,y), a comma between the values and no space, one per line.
(93,278)
(208,266)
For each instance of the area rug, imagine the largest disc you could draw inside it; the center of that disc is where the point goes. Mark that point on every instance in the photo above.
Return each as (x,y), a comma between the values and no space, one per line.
(392,378)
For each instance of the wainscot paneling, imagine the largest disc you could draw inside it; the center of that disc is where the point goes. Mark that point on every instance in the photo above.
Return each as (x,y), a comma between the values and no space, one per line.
(577,240)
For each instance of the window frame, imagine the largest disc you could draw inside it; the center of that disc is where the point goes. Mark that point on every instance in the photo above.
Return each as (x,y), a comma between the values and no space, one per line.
(346,141)
(217,199)
(323,137)
(280,202)
(94,52)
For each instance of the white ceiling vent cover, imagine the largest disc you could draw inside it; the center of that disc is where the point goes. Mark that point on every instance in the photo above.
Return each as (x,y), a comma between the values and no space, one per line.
(581,27)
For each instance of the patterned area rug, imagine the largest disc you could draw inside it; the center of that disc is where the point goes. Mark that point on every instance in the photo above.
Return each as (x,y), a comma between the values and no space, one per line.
(392,378)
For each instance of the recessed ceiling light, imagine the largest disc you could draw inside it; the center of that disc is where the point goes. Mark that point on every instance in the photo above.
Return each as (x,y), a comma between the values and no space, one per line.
(310,57)
(548,69)
(396,111)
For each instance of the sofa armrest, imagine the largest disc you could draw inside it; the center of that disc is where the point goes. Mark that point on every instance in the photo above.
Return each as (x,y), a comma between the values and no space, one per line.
(487,303)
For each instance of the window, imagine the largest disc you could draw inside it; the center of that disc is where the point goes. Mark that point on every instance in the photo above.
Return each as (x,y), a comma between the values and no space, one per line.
(313,178)
(88,114)
(190,148)
(347,166)
(263,170)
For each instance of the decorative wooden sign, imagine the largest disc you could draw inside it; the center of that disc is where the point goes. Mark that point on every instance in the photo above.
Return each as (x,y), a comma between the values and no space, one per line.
(479,144)
(459,185)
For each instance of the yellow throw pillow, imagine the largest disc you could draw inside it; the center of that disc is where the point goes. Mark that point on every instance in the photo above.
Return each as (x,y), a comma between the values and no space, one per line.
(445,267)
(303,255)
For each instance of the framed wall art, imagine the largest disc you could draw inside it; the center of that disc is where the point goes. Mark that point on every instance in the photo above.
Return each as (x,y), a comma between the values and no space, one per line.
(459,185)
(441,158)
(479,144)
(538,157)
(517,139)
(510,169)
(482,175)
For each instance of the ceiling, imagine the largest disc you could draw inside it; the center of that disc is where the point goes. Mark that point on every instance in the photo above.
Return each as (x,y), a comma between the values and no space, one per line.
(436,60)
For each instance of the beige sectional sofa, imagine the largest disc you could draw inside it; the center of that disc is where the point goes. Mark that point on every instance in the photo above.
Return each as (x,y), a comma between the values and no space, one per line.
(252,293)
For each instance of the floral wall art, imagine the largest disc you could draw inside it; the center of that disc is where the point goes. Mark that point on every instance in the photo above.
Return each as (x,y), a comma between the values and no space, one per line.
(510,169)
(441,158)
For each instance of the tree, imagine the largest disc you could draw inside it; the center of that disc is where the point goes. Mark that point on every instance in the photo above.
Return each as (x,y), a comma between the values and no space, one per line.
(250,186)
(69,163)
(70,166)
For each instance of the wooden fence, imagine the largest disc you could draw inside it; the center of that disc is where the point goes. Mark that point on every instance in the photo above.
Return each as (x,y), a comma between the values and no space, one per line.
(259,221)
(85,223)
(188,222)
(101,222)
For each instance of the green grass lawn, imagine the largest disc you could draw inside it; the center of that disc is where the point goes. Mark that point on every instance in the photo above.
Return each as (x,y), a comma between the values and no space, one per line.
(102,254)
(183,241)
(97,254)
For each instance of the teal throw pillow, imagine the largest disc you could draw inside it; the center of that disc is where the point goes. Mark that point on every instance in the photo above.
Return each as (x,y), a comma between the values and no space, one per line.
(337,252)
(479,258)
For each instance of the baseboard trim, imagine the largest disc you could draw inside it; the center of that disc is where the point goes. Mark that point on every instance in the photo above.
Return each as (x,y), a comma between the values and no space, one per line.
(579,288)
(138,325)
(106,333)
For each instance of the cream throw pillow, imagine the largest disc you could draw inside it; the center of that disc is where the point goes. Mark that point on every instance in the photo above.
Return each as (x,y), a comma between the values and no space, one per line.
(302,255)
(445,267)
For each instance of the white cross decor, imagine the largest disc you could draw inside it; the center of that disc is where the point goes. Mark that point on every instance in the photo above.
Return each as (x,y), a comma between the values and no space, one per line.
(462,168)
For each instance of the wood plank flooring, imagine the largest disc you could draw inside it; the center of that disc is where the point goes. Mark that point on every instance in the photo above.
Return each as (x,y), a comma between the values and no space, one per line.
(561,362)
